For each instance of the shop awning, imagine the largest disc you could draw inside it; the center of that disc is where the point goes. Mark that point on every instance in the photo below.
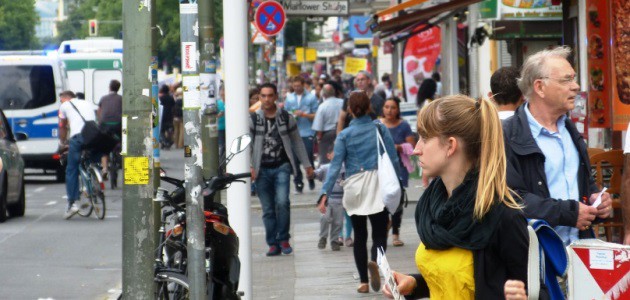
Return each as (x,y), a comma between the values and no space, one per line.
(409,20)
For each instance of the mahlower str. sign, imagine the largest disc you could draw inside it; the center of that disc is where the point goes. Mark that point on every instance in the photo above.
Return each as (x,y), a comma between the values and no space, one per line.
(316,7)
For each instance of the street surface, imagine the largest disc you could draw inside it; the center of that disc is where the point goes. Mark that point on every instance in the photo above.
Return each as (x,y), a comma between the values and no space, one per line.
(44,256)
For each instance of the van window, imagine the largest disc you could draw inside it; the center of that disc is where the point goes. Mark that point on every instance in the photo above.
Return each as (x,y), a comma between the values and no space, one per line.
(24,87)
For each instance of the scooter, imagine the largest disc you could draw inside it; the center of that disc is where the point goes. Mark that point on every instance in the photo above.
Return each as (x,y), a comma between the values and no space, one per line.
(221,242)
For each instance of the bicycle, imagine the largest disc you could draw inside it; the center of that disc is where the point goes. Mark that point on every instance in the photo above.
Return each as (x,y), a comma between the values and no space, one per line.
(115,164)
(92,188)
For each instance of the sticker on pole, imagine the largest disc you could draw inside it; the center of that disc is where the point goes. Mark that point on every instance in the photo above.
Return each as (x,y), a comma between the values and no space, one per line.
(136,170)
(270,18)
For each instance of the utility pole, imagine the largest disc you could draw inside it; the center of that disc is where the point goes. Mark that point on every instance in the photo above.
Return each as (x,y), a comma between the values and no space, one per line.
(473,52)
(209,90)
(239,204)
(304,44)
(138,243)
(189,32)
(157,211)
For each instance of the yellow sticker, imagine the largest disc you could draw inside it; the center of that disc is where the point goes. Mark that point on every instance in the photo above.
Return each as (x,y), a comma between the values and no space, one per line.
(136,170)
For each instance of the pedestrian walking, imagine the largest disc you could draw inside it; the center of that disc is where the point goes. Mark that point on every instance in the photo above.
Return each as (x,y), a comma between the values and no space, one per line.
(473,234)
(505,92)
(356,147)
(276,138)
(178,119)
(332,211)
(325,121)
(404,140)
(166,129)
(303,106)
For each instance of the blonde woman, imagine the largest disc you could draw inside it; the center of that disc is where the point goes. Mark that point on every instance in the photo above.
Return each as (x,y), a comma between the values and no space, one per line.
(472,231)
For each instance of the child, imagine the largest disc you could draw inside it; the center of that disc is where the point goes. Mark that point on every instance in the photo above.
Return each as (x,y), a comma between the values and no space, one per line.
(332,212)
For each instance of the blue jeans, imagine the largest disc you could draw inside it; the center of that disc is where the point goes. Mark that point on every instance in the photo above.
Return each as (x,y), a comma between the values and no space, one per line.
(72,168)
(272,186)
(308,144)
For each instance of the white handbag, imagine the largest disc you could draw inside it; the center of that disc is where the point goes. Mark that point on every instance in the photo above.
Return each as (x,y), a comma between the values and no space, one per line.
(387,177)
(361,194)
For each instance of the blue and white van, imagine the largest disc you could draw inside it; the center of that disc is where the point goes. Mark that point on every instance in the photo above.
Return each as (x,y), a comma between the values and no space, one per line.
(29,96)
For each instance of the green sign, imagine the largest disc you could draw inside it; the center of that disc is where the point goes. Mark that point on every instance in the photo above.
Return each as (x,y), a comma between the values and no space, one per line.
(488,9)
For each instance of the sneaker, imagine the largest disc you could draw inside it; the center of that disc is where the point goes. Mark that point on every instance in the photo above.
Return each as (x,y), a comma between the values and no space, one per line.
(311,184)
(72,210)
(335,246)
(322,243)
(298,188)
(286,247)
(273,251)
(349,242)
(375,277)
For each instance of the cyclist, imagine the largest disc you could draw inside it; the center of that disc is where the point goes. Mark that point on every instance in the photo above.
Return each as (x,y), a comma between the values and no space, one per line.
(110,118)
(70,113)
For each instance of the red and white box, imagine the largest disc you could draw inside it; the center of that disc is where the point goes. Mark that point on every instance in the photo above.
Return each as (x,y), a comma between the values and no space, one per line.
(598,270)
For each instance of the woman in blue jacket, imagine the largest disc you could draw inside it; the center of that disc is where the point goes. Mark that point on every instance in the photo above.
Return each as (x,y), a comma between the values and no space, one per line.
(356,147)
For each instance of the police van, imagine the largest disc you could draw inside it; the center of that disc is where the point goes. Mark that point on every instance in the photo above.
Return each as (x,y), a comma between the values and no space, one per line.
(91,64)
(29,96)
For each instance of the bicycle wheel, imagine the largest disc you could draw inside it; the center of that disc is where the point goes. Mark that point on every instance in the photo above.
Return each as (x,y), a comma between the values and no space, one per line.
(97,194)
(85,203)
(171,285)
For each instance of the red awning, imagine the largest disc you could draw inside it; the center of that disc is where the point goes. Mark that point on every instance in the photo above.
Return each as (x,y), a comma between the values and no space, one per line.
(409,20)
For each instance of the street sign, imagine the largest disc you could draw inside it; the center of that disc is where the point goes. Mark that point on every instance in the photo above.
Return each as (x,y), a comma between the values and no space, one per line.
(270,18)
(316,7)
(315,19)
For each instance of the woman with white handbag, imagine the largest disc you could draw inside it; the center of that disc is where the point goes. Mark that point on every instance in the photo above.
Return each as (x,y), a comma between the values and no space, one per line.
(362,148)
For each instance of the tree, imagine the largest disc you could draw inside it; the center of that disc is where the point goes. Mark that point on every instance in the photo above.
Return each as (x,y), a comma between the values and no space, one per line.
(17,25)
(293,32)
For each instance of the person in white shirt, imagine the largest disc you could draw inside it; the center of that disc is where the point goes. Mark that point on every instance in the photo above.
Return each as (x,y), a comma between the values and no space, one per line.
(72,113)
(505,92)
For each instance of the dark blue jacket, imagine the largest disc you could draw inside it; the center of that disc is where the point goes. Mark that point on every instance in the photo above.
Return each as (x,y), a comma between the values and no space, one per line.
(526,173)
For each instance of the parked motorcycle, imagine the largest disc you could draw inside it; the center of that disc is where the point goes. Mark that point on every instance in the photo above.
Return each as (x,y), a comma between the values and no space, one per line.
(221,242)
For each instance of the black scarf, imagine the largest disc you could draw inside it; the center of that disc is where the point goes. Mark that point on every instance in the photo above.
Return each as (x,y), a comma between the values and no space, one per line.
(444,222)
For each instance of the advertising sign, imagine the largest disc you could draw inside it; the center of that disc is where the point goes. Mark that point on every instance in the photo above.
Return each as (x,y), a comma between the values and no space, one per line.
(316,7)
(620,77)
(358,27)
(599,83)
(530,10)
(353,65)
(419,57)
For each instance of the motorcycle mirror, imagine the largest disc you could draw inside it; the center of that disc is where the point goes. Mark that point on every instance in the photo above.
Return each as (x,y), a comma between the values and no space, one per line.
(240,143)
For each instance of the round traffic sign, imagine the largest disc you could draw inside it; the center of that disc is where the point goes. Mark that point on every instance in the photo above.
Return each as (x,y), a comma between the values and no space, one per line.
(270,18)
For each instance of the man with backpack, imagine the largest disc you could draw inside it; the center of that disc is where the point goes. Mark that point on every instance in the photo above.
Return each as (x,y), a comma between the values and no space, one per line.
(276,138)
(73,113)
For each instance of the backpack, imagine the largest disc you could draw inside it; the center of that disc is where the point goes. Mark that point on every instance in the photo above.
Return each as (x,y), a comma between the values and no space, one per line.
(547,259)
(284,120)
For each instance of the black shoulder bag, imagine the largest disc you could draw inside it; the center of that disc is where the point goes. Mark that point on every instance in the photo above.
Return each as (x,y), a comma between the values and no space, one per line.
(94,137)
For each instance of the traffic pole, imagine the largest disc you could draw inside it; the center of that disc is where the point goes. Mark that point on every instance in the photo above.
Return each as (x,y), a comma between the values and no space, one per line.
(137,149)
(192,151)
(157,211)
(209,89)
(236,78)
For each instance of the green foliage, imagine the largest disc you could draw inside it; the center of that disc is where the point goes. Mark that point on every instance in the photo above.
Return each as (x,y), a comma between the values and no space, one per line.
(17,25)
(109,15)
(293,32)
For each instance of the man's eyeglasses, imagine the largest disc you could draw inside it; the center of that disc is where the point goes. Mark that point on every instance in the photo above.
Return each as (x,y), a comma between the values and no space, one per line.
(564,81)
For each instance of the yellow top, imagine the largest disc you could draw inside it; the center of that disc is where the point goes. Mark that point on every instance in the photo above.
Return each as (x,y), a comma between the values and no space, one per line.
(448,273)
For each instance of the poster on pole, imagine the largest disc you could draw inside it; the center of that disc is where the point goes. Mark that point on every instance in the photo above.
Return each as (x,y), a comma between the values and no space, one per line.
(208,92)
(420,55)
(189,56)
(190,85)
(353,65)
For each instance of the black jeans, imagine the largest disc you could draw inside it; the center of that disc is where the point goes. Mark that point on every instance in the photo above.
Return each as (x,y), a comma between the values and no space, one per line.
(379,239)
(396,221)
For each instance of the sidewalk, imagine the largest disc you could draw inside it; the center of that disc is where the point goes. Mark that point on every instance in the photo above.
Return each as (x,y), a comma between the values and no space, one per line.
(311,273)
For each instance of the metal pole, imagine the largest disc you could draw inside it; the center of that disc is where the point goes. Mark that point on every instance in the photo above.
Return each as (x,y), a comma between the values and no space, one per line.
(239,201)
(192,151)
(209,90)
(473,52)
(137,147)
(304,44)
